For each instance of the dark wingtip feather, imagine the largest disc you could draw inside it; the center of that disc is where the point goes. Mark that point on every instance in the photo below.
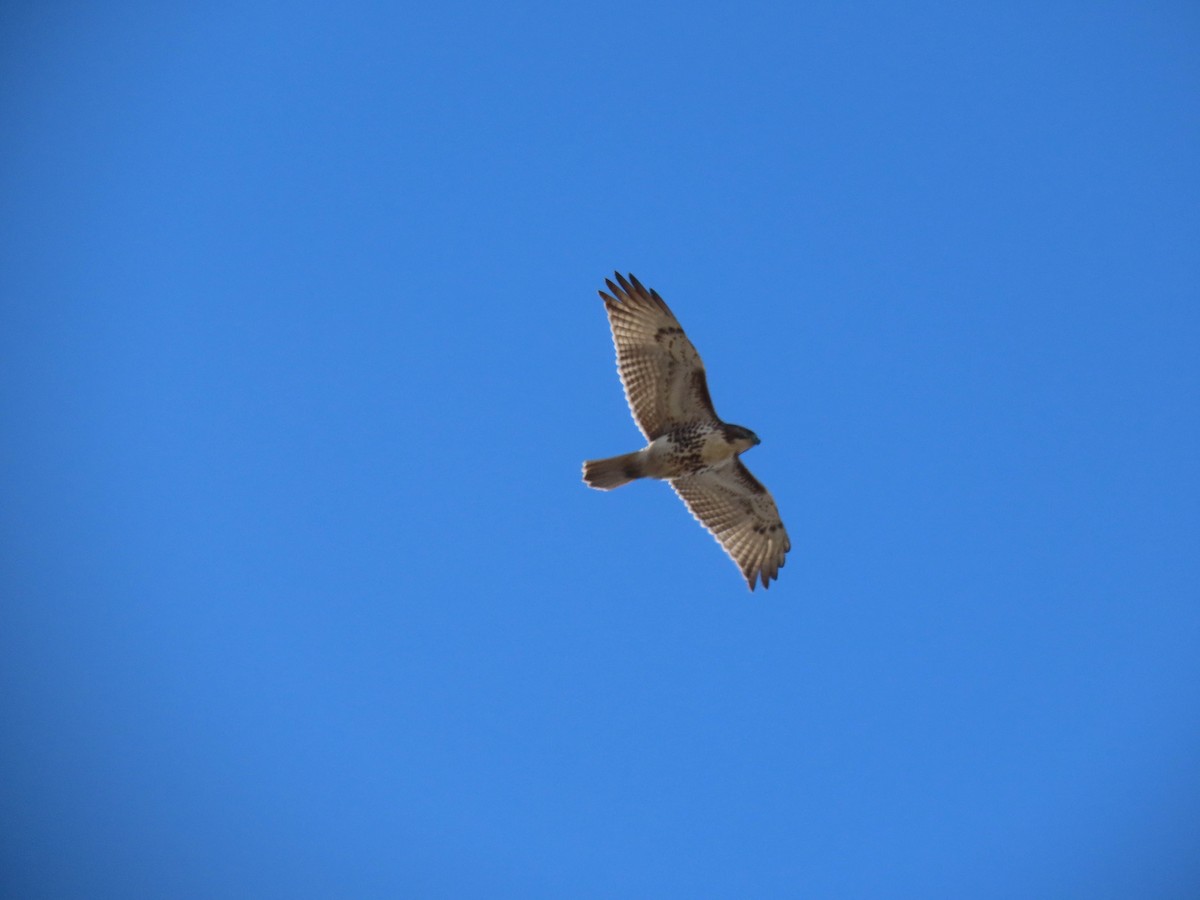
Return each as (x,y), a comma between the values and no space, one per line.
(632,288)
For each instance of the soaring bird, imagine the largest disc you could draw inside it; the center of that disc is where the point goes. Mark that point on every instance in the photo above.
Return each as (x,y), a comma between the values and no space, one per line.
(689,446)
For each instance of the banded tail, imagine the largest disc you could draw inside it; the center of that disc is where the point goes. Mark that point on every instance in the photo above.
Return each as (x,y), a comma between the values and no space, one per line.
(606,474)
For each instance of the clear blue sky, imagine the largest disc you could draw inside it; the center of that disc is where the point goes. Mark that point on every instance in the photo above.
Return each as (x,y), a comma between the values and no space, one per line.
(301,353)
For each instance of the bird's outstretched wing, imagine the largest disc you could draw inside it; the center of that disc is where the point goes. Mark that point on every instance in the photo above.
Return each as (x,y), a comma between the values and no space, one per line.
(660,369)
(739,511)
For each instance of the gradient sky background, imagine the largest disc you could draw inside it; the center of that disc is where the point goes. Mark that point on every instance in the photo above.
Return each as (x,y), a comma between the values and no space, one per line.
(301,353)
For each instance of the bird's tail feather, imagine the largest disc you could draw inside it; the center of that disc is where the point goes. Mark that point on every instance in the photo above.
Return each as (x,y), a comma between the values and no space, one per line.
(606,474)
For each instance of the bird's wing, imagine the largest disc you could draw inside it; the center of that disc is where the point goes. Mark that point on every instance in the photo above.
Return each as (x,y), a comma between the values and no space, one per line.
(660,369)
(739,511)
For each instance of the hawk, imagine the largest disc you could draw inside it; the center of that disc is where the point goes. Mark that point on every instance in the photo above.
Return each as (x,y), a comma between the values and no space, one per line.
(690,446)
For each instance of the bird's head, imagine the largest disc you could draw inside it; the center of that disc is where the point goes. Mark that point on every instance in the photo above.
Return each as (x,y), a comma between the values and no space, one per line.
(741,438)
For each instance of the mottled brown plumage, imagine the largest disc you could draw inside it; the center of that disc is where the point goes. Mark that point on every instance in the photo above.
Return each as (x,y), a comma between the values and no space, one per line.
(690,446)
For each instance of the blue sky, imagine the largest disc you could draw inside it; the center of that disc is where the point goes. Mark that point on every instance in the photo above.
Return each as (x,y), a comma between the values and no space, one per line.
(301,354)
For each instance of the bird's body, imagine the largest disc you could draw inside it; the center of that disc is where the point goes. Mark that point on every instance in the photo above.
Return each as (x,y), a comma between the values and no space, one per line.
(688,449)
(689,446)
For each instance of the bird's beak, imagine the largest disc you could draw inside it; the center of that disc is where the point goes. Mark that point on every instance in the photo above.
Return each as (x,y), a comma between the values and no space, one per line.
(757,440)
